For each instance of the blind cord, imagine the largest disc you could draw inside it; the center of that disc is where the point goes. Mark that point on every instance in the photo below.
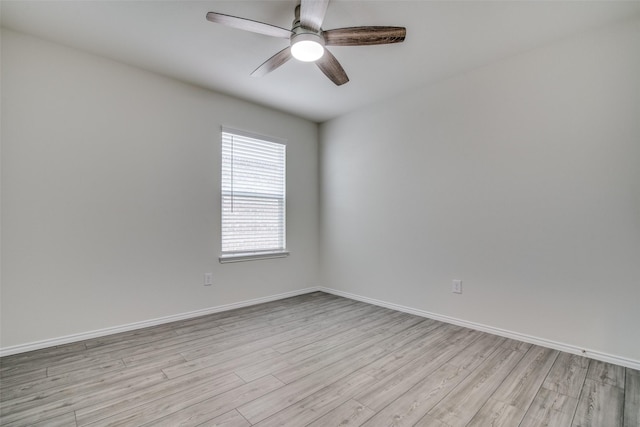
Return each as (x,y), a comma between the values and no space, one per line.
(232,186)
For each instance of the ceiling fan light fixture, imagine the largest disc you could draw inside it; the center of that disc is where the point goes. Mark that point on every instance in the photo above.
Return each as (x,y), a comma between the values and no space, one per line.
(307,47)
(307,39)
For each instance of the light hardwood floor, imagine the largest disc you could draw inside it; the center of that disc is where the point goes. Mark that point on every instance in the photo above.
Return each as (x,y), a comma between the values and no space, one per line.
(314,360)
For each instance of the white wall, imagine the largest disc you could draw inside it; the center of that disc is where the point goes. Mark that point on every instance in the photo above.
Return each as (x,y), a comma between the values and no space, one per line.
(110,195)
(521,178)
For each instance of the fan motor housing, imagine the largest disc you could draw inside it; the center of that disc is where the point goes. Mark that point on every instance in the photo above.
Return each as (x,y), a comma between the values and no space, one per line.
(306,35)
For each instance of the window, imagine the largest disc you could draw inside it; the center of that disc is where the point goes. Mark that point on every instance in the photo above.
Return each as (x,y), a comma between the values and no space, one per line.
(253,196)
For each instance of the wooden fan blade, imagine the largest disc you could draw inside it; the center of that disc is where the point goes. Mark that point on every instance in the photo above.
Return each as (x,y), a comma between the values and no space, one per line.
(312,13)
(274,62)
(332,68)
(249,25)
(362,36)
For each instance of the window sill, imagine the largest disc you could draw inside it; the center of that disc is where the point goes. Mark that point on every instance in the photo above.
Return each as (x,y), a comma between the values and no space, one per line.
(251,256)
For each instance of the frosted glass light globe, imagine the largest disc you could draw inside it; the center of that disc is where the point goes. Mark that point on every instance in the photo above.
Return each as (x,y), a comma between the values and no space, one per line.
(307,50)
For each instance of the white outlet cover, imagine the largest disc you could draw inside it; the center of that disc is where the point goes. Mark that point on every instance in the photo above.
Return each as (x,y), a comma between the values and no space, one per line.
(456,286)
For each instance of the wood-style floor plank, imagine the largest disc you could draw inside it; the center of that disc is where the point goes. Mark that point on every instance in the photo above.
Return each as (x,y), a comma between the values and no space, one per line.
(65,420)
(350,413)
(414,403)
(230,419)
(600,404)
(556,402)
(58,400)
(460,406)
(169,403)
(567,375)
(71,377)
(298,389)
(50,354)
(632,398)
(209,408)
(201,380)
(509,403)
(550,408)
(399,381)
(393,361)
(313,360)
(318,403)
(297,355)
(354,318)
(606,373)
(393,335)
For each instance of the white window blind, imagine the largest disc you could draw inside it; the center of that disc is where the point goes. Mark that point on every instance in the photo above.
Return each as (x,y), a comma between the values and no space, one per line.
(253,195)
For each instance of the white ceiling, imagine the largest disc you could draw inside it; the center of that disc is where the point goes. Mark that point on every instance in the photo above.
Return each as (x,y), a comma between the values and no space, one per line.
(444,38)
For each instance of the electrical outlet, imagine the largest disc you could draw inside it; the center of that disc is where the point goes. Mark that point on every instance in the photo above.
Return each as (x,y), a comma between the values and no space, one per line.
(208,279)
(456,287)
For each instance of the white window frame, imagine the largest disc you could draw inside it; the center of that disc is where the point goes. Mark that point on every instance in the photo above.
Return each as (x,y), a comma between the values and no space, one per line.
(247,253)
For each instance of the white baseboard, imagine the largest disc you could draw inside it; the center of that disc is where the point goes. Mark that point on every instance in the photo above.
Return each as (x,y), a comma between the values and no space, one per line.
(37,345)
(604,357)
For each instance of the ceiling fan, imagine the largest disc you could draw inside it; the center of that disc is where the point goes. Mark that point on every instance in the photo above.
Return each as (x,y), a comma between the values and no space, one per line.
(308,39)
